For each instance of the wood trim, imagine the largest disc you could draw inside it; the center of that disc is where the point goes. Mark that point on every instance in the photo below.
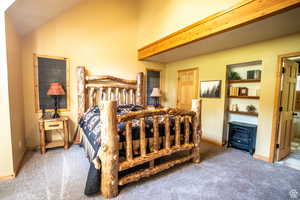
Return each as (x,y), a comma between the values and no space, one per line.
(188,69)
(243,113)
(244,97)
(260,157)
(9,177)
(276,113)
(244,81)
(212,141)
(35,83)
(242,13)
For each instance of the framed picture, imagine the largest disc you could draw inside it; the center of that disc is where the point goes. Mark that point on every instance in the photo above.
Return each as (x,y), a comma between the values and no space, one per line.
(210,89)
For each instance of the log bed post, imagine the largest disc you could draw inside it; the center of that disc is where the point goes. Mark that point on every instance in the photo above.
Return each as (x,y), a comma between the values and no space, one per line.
(109,151)
(81,92)
(140,88)
(197,129)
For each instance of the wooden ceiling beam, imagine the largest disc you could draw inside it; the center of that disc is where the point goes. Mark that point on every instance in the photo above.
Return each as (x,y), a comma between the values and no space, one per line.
(244,12)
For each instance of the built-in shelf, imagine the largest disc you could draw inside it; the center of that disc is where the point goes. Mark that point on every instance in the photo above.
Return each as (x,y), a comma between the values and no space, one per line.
(245,97)
(245,81)
(244,113)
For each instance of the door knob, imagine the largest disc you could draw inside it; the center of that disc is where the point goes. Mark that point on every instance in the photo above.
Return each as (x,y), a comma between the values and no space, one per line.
(295,114)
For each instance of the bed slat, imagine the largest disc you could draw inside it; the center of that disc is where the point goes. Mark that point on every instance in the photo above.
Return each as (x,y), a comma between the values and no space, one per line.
(126,96)
(155,134)
(118,98)
(129,140)
(142,137)
(123,96)
(186,129)
(109,94)
(177,130)
(167,132)
(131,96)
(91,97)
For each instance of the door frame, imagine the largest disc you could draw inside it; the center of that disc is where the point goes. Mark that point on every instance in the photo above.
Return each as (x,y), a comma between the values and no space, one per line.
(276,113)
(197,80)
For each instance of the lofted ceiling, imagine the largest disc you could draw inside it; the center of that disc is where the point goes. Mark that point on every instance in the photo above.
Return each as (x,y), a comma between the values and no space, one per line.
(27,15)
(269,28)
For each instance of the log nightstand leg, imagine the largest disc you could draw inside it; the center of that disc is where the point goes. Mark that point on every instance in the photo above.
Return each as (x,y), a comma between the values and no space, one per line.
(66,135)
(42,138)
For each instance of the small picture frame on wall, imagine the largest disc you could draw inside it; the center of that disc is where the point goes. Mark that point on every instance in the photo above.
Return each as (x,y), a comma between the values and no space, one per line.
(210,89)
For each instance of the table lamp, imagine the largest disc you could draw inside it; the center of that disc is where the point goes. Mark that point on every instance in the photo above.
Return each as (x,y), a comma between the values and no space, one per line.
(156,94)
(55,90)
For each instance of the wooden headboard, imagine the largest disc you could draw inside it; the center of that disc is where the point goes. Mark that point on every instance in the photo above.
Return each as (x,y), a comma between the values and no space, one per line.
(92,90)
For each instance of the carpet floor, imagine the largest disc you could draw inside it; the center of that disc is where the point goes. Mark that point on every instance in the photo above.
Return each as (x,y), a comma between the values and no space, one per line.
(222,174)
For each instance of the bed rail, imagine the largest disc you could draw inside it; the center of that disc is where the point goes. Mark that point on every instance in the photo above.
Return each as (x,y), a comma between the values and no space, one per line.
(109,151)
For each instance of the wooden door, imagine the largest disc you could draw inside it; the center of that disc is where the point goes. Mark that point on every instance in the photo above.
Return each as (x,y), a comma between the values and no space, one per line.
(187,88)
(288,99)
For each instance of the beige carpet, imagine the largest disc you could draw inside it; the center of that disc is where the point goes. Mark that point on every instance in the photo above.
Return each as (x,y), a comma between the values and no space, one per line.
(226,175)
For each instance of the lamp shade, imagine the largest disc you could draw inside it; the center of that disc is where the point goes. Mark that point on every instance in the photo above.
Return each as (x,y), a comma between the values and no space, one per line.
(56,89)
(155,92)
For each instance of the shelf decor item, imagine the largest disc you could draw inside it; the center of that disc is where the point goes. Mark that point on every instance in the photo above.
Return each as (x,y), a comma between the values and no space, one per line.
(251,108)
(210,89)
(55,90)
(234,76)
(243,91)
(254,74)
(234,107)
(156,95)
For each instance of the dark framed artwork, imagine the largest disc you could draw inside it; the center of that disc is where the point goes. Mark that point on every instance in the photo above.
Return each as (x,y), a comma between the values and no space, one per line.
(49,69)
(210,89)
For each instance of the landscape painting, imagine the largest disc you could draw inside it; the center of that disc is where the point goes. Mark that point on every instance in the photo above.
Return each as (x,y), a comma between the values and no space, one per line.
(210,89)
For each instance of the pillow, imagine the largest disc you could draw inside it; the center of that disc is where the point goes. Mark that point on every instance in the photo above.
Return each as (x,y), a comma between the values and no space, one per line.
(138,108)
(125,108)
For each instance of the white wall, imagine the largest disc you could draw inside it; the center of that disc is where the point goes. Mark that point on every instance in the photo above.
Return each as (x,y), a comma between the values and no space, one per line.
(6,157)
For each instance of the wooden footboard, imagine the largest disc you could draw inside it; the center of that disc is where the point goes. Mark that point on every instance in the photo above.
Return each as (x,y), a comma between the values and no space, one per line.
(109,151)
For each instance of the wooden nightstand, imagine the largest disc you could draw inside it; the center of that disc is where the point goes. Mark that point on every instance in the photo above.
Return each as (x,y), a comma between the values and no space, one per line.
(50,125)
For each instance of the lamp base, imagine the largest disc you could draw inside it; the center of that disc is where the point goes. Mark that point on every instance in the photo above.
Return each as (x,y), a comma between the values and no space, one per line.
(55,115)
(156,102)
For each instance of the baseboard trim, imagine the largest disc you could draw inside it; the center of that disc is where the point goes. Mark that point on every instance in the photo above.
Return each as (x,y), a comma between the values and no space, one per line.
(211,141)
(260,157)
(5,178)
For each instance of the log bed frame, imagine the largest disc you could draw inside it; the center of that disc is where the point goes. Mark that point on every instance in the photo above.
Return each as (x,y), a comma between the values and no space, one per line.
(107,92)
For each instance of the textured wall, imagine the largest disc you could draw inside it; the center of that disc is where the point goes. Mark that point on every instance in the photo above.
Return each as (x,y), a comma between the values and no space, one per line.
(13,43)
(213,67)
(96,33)
(6,159)
(160,18)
